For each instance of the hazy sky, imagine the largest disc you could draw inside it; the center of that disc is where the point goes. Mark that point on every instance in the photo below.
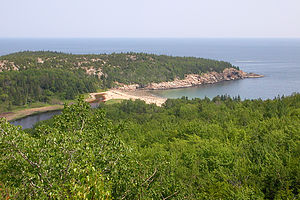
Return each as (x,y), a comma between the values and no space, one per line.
(149,18)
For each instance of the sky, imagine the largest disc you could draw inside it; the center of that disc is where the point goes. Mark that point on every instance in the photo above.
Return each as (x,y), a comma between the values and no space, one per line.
(149,18)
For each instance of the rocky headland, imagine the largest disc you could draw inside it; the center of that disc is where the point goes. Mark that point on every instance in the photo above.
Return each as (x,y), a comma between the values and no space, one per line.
(191,80)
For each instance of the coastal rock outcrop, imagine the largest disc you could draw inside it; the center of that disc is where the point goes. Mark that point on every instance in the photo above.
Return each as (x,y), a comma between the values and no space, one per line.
(191,80)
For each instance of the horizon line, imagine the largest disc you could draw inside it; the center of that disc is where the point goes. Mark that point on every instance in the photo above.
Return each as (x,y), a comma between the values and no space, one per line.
(149,37)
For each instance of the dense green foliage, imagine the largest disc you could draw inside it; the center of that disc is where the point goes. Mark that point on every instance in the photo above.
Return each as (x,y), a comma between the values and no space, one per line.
(33,85)
(219,149)
(188,149)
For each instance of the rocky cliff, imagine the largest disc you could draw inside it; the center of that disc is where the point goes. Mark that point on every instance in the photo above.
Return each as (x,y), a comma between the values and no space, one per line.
(191,80)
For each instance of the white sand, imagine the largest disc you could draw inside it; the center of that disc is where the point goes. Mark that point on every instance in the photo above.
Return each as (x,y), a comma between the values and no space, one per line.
(136,94)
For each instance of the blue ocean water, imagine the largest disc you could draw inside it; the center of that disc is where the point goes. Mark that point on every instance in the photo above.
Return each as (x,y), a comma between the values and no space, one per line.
(277,59)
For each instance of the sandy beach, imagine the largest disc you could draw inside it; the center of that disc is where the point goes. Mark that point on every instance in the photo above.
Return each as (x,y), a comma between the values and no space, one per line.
(126,94)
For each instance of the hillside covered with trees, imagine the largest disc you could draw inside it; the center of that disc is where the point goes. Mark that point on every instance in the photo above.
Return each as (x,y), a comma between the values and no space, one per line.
(140,68)
(42,85)
(222,148)
(28,77)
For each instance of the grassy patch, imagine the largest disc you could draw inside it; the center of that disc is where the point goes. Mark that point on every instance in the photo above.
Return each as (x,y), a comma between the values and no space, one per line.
(113,101)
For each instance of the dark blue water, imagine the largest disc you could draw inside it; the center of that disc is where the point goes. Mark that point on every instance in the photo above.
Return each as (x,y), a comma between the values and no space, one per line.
(277,59)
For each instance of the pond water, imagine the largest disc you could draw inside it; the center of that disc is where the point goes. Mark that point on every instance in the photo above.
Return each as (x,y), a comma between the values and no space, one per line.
(31,120)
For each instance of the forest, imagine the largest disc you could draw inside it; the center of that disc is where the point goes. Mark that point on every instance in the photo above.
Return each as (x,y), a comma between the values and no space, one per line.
(28,86)
(41,76)
(224,148)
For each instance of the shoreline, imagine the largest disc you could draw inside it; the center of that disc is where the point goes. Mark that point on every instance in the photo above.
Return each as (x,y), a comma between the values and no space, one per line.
(191,80)
(134,91)
(15,115)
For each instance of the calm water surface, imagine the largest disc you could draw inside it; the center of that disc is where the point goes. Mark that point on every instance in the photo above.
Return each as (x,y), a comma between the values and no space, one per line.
(30,121)
(280,79)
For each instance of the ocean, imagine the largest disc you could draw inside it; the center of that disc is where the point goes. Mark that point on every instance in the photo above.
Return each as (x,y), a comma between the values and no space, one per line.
(277,59)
